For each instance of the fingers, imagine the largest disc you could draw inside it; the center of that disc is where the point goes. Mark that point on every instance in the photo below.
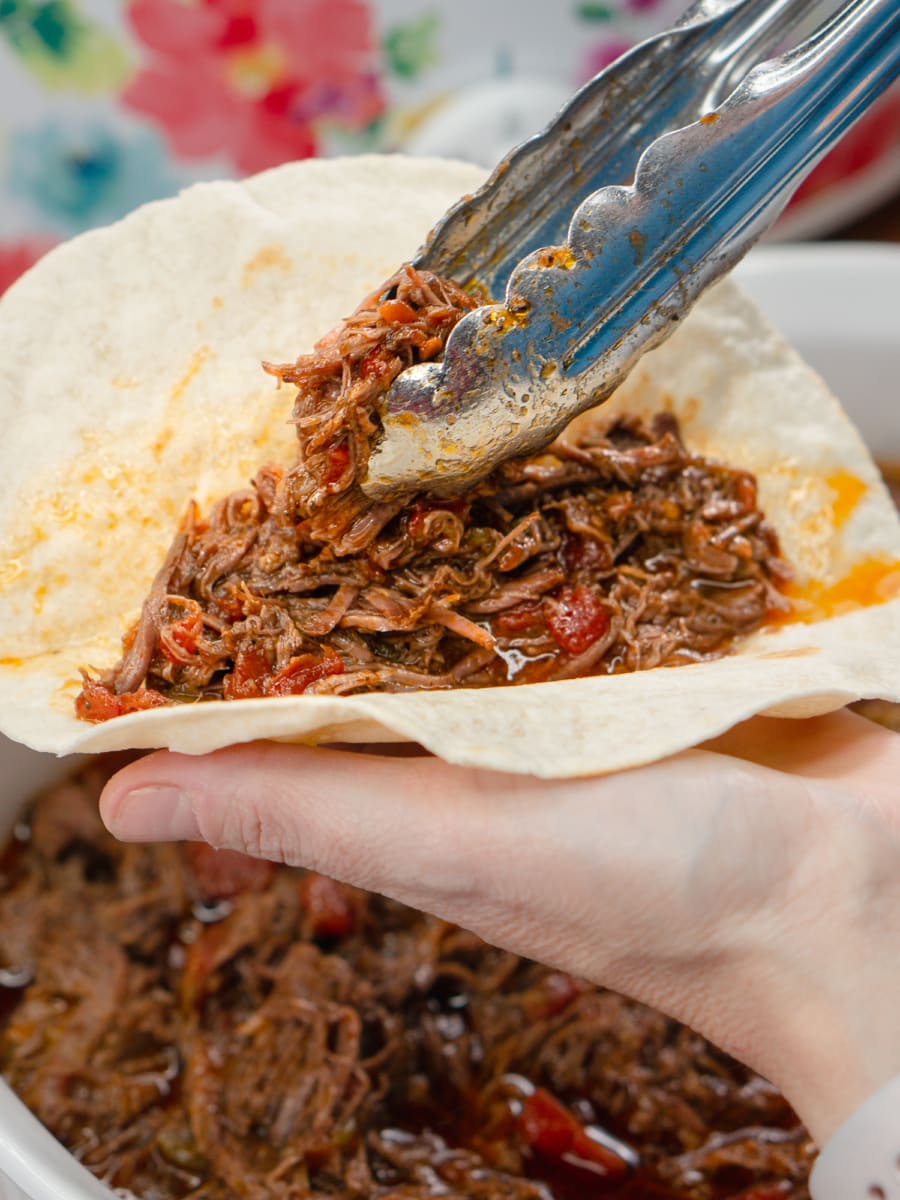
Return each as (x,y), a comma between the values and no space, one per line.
(523,862)
(532,865)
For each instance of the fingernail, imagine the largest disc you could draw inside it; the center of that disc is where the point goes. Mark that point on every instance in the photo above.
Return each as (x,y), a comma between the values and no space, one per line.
(154,814)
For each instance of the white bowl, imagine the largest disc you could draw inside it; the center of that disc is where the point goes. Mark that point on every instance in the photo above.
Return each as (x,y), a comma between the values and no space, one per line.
(839,304)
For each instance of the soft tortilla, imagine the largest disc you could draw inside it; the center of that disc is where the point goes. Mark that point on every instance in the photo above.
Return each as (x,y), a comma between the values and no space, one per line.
(130,381)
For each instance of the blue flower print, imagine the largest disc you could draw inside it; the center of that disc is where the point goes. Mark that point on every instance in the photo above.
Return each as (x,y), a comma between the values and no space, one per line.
(74,174)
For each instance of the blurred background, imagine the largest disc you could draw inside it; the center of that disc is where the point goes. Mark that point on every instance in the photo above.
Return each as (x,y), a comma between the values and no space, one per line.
(105,104)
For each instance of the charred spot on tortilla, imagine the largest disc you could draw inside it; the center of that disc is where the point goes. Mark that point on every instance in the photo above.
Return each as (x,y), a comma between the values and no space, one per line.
(615,550)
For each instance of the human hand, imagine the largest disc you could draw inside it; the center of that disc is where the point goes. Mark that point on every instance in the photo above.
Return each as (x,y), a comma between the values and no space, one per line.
(750,889)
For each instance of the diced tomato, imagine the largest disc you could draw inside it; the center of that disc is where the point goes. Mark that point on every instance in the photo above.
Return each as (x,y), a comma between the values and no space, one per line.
(327,906)
(396,312)
(576,618)
(521,618)
(221,874)
(251,668)
(183,636)
(303,671)
(179,638)
(376,364)
(140,700)
(96,703)
(549,1129)
(546,1125)
(775,1191)
(338,461)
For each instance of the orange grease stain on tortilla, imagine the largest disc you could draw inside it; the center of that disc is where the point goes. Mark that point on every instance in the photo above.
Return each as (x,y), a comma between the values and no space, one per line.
(848,491)
(872,581)
(11,569)
(198,358)
(267,258)
(120,500)
(162,440)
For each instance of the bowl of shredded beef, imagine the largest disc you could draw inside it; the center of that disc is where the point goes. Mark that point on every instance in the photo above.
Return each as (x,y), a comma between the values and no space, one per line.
(197,1023)
(618,549)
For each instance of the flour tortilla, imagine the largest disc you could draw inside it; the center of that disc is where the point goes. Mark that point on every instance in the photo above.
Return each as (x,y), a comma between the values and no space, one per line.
(130,382)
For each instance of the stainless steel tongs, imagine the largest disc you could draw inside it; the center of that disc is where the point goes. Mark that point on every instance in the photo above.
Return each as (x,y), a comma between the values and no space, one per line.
(587,294)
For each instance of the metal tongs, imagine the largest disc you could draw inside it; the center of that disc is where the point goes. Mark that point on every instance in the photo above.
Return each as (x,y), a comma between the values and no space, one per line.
(588,294)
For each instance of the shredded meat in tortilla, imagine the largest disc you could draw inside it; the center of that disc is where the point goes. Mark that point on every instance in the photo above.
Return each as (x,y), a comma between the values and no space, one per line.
(616,550)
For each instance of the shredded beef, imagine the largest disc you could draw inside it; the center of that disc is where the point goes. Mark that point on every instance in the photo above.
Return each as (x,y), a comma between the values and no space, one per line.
(616,550)
(194,1023)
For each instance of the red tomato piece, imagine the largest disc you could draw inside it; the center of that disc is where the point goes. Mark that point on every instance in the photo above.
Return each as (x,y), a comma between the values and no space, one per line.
(526,616)
(251,668)
(221,874)
(576,618)
(303,671)
(338,461)
(396,312)
(96,703)
(549,1129)
(327,905)
(140,700)
(546,1125)
(376,364)
(185,633)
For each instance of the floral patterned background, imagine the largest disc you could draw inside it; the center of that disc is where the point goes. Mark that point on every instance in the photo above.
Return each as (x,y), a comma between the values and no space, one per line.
(105,104)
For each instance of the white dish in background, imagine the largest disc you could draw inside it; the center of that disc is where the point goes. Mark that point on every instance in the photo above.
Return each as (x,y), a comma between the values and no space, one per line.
(840,306)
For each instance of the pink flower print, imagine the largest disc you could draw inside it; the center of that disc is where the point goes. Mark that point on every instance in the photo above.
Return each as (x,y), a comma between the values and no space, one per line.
(254,79)
(17,257)
(601,54)
(874,139)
